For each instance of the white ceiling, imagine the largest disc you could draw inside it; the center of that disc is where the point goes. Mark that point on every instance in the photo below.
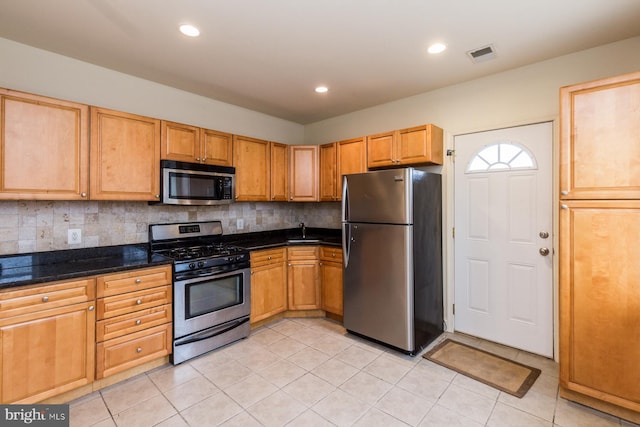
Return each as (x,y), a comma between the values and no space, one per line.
(268,55)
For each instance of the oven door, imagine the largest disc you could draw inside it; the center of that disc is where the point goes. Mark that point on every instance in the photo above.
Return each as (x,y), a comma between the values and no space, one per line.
(203,302)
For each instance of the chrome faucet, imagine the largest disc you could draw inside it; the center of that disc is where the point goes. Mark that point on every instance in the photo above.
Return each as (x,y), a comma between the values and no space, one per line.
(304,230)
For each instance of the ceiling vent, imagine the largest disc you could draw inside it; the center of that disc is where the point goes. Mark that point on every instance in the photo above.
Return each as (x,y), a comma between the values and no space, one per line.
(482,54)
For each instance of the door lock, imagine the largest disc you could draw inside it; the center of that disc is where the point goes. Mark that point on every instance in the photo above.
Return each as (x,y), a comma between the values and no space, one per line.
(544,251)
(543,234)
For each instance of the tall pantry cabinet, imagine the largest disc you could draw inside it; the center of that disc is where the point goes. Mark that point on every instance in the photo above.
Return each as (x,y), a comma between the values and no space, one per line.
(600,244)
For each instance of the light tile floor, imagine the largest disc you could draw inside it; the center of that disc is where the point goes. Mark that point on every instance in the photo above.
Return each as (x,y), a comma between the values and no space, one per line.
(310,372)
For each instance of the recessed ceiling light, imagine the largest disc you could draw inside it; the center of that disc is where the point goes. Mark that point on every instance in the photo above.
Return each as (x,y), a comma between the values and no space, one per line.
(189,30)
(322,89)
(437,48)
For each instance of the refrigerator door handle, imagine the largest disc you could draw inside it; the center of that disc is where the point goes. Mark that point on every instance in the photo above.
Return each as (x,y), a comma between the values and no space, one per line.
(345,199)
(346,243)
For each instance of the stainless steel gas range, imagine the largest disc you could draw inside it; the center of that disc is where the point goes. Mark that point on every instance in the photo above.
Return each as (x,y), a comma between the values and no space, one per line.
(211,289)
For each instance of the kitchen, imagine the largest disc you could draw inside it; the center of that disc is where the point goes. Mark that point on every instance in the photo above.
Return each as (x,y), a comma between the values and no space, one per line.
(41,225)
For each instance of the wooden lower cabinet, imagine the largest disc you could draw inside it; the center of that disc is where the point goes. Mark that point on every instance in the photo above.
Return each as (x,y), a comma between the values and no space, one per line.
(600,304)
(331,279)
(268,283)
(47,340)
(303,278)
(134,319)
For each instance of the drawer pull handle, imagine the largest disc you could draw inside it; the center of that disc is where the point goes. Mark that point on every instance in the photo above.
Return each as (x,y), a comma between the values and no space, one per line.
(138,322)
(139,302)
(139,350)
(91,308)
(45,299)
(138,281)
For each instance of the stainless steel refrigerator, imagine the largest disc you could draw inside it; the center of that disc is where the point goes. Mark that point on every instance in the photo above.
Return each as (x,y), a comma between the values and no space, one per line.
(392,245)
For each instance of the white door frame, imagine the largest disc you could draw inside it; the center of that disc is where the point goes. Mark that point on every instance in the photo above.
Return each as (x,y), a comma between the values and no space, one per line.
(448,219)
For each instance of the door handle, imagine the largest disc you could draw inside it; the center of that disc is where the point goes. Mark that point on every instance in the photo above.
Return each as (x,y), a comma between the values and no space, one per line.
(544,251)
(543,234)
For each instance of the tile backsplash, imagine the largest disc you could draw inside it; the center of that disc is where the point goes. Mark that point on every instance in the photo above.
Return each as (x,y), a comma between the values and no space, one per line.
(35,226)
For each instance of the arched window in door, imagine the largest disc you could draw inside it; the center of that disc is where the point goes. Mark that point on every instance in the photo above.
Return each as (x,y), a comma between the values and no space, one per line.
(502,156)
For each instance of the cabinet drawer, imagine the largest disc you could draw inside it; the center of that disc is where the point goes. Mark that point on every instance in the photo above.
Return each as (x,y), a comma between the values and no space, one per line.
(267,256)
(331,254)
(120,354)
(133,301)
(133,322)
(302,253)
(26,300)
(114,284)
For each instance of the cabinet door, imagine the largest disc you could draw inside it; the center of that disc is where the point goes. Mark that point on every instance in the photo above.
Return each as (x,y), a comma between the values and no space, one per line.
(303,173)
(268,290)
(599,148)
(125,156)
(332,289)
(46,353)
(279,172)
(180,142)
(44,148)
(419,145)
(216,147)
(600,301)
(381,150)
(352,158)
(303,284)
(328,172)
(252,159)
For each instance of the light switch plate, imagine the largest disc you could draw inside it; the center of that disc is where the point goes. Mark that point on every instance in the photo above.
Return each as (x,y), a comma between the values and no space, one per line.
(240,223)
(75,236)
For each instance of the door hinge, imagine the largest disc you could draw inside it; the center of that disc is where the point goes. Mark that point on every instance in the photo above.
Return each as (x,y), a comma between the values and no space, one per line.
(453,232)
(451,153)
(454,309)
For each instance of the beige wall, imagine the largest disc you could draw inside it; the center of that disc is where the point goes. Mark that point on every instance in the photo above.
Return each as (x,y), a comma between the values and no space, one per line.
(524,95)
(44,73)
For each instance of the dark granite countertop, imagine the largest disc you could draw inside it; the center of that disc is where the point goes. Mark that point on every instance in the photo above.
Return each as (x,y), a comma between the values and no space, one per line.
(40,267)
(275,238)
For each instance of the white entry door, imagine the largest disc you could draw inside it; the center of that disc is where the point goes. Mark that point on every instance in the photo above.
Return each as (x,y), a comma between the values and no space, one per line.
(503,236)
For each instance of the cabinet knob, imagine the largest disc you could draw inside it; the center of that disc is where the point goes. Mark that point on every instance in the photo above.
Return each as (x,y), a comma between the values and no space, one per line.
(91,308)
(204,159)
(45,299)
(139,350)
(138,281)
(564,192)
(83,194)
(197,159)
(139,302)
(269,258)
(157,196)
(564,206)
(138,322)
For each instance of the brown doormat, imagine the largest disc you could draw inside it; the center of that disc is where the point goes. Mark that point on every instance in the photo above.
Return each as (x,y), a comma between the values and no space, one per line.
(498,372)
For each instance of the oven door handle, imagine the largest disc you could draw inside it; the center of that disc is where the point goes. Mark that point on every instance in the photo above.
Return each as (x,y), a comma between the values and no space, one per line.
(211,332)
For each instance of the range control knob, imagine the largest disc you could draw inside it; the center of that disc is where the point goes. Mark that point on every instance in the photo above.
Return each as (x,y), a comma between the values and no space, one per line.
(200,264)
(192,265)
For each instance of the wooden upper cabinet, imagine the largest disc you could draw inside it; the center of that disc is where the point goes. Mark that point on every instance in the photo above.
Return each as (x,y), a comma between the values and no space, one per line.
(125,156)
(279,172)
(328,172)
(252,160)
(180,142)
(351,158)
(187,143)
(600,139)
(44,148)
(303,173)
(412,146)
(216,147)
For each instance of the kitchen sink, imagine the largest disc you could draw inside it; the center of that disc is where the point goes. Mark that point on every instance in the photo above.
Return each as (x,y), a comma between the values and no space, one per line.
(303,241)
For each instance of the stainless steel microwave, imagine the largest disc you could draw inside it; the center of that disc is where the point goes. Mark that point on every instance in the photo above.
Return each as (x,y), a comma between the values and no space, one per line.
(185,183)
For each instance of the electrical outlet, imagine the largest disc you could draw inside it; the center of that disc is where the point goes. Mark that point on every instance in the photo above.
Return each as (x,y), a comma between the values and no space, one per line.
(240,223)
(75,236)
